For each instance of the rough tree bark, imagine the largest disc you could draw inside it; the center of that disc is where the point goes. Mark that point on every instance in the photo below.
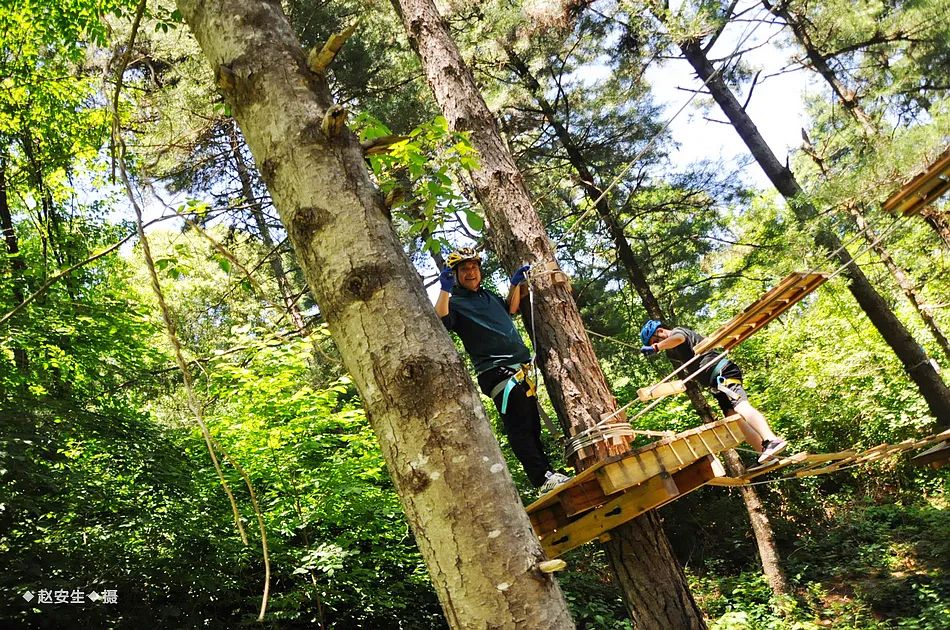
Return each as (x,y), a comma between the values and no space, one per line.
(761,527)
(448,470)
(654,586)
(892,330)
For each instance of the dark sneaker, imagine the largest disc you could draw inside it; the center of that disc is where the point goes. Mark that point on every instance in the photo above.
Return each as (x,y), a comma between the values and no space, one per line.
(554,479)
(771,448)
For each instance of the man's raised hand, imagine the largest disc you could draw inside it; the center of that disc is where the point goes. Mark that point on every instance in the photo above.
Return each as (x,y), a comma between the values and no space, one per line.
(519,276)
(447,279)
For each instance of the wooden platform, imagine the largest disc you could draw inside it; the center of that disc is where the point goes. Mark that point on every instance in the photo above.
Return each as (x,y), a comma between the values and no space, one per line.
(623,487)
(934,457)
(923,189)
(789,291)
(808,464)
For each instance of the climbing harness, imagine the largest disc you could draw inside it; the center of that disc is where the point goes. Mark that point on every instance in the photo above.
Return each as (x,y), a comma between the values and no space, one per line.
(521,375)
(722,383)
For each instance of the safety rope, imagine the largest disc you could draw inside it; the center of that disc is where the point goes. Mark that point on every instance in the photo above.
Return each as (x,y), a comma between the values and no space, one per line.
(552,429)
(585,436)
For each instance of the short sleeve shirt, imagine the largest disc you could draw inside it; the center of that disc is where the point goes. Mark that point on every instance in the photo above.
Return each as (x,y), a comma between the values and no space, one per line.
(481,320)
(684,352)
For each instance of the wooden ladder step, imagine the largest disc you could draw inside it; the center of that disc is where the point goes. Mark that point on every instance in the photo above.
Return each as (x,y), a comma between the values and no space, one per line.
(755,316)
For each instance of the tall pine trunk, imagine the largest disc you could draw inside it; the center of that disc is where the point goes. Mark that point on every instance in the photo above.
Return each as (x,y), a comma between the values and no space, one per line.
(654,586)
(447,467)
(892,330)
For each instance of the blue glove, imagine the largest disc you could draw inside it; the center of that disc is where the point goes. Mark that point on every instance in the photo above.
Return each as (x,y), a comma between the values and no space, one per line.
(447,279)
(648,350)
(519,275)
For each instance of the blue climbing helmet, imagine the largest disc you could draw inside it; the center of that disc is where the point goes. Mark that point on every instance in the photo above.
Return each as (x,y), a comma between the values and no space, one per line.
(649,329)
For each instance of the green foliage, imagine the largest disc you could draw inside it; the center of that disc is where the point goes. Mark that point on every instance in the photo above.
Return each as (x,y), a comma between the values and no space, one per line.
(419,175)
(106,483)
(103,499)
(330,510)
(863,566)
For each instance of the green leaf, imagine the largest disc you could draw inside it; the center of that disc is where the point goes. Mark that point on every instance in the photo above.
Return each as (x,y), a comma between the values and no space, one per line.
(474,220)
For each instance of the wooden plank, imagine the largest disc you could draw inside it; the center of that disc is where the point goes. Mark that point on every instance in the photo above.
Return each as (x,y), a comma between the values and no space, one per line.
(581,478)
(935,456)
(728,482)
(822,463)
(748,314)
(548,519)
(877,453)
(661,390)
(758,314)
(860,457)
(626,506)
(785,462)
(669,455)
(719,436)
(817,458)
(923,189)
(582,497)
(698,474)
(653,493)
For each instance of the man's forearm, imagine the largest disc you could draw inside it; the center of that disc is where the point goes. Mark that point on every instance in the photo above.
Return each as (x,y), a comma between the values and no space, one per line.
(514,299)
(442,304)
(670,342)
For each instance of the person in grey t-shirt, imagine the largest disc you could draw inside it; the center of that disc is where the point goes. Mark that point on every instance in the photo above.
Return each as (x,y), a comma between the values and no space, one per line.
(720,375)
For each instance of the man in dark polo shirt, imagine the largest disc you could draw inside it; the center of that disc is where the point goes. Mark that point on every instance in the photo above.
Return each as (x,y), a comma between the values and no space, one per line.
(482,320)
(718,373)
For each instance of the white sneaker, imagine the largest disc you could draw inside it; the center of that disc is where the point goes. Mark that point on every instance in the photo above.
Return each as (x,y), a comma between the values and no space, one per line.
(771,448)
(553,480)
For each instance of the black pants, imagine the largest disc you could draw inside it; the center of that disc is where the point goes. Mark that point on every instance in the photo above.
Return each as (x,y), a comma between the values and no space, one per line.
(521,421)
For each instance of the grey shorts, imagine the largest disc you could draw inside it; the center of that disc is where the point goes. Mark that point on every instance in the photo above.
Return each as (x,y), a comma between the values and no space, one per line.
(728,403)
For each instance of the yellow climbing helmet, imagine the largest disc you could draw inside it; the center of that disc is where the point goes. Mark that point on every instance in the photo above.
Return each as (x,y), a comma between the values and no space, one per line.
(462,254)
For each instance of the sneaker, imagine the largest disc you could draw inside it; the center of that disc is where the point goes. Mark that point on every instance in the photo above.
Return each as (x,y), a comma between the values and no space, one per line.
(771,448)
(553,480)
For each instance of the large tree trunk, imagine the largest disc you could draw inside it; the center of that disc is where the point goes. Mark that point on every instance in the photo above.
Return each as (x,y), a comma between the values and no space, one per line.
(566,357)
(761,527)
(910,353)
(448,470)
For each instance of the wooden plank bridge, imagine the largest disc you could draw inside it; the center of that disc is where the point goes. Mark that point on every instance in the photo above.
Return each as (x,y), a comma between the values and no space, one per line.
(622,487)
